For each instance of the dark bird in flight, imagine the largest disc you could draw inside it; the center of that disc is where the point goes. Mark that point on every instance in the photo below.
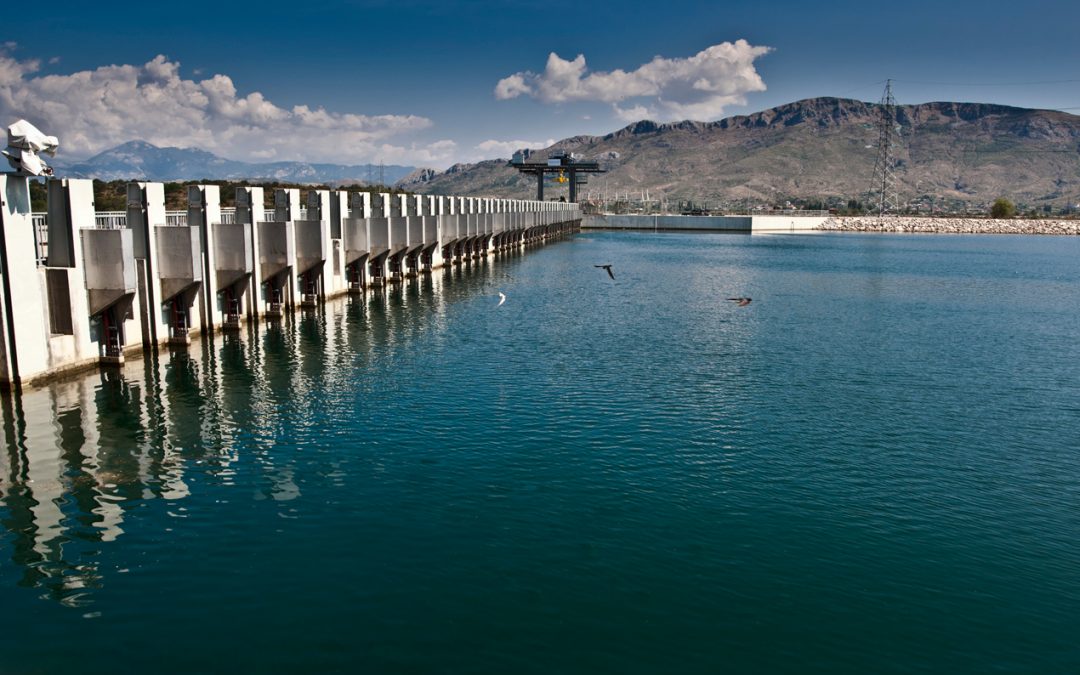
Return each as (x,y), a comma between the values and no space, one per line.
(741,302)
(608,268)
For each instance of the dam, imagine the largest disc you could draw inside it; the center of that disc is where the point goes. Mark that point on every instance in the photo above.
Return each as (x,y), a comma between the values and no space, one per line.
(81,288)
(745,224)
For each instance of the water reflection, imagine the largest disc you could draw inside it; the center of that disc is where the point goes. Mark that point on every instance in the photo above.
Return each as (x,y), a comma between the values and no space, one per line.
(87,456)
(58,488)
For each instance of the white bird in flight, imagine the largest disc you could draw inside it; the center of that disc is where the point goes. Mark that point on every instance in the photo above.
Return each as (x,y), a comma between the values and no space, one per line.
(502,299)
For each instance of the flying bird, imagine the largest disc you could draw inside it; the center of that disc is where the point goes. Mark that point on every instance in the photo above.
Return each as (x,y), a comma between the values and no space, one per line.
(502,299)
(608,268)
(741,302)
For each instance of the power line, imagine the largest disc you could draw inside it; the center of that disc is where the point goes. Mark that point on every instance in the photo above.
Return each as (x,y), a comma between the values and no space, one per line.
(963,84)
(989,84)
(1011,151)
(863,86)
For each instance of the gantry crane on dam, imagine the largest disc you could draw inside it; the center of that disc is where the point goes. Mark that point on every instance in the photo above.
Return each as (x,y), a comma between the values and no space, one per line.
(564,166)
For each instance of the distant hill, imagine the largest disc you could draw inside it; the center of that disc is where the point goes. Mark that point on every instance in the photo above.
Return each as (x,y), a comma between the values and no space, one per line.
(139,160)
(817,149)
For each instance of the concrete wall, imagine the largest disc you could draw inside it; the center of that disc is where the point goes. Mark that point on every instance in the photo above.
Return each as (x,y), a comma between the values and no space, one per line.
(25,313)
(667,223)
(109,259)
(783,223)
(355,233)
(179,259)
(399,224)
(277,249)
(232,244)
(310,245)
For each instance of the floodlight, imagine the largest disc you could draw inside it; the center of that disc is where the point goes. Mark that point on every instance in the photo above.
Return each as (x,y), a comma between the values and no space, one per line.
(25,141)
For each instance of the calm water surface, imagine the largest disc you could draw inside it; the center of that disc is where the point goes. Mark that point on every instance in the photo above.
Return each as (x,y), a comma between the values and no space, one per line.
(874,467)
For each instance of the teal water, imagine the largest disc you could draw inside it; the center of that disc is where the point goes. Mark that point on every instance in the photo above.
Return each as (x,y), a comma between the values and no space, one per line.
(874,467)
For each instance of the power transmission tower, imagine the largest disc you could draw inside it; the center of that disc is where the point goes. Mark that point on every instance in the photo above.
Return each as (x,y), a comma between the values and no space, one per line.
(883,186)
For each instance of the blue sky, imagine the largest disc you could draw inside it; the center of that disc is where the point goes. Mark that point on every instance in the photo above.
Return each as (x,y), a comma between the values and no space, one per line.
(415,82)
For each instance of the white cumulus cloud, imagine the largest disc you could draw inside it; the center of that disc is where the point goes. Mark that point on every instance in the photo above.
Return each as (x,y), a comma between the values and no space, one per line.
(512,87)
(696,87)
(438,153)
(93,110)
(492,149)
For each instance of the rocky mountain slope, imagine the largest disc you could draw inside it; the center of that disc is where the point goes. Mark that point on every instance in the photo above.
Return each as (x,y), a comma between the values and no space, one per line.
(953,154)
(139,160)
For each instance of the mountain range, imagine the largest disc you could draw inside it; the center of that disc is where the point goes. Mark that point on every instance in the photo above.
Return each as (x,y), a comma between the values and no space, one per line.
(139,160)
(949,154)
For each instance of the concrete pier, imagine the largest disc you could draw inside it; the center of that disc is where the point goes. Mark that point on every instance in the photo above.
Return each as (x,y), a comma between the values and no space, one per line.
(80,289)
(248,292)
(277,257)
(314,273)
(356,241)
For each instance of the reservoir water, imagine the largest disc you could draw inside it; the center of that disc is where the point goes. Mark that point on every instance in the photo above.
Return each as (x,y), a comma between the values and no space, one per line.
(873,467)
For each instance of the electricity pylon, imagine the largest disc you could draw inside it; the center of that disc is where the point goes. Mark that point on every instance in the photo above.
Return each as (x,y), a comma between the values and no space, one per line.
(883,185)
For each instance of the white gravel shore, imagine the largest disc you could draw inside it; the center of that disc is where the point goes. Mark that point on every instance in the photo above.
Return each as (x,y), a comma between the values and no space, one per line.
(949,225)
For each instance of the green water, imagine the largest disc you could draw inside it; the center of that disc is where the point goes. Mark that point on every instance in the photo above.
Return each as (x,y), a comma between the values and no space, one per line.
(873,467)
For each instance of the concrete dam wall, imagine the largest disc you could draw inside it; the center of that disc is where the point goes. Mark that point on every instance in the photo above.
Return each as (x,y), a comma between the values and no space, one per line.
(677,223)
(80,288)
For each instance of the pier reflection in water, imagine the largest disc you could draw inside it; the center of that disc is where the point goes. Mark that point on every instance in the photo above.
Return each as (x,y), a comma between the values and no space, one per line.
(86,454)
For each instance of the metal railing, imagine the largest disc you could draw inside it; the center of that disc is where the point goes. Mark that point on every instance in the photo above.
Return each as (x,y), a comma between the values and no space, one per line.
(176,218)
(270,215)
(775,212)
(110,220)
(41,236)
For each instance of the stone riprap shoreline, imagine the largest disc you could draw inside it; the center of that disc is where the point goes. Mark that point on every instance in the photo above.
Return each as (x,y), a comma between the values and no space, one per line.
(949,225)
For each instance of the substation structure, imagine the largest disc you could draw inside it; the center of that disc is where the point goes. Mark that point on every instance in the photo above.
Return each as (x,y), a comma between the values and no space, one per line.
(80,288)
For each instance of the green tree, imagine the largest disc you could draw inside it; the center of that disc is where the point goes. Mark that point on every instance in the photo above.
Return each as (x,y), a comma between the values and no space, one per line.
(110,196)
(38,195)
(1002,208)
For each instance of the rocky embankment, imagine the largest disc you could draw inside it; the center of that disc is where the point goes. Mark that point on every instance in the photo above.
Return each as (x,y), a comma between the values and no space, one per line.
(950,225)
